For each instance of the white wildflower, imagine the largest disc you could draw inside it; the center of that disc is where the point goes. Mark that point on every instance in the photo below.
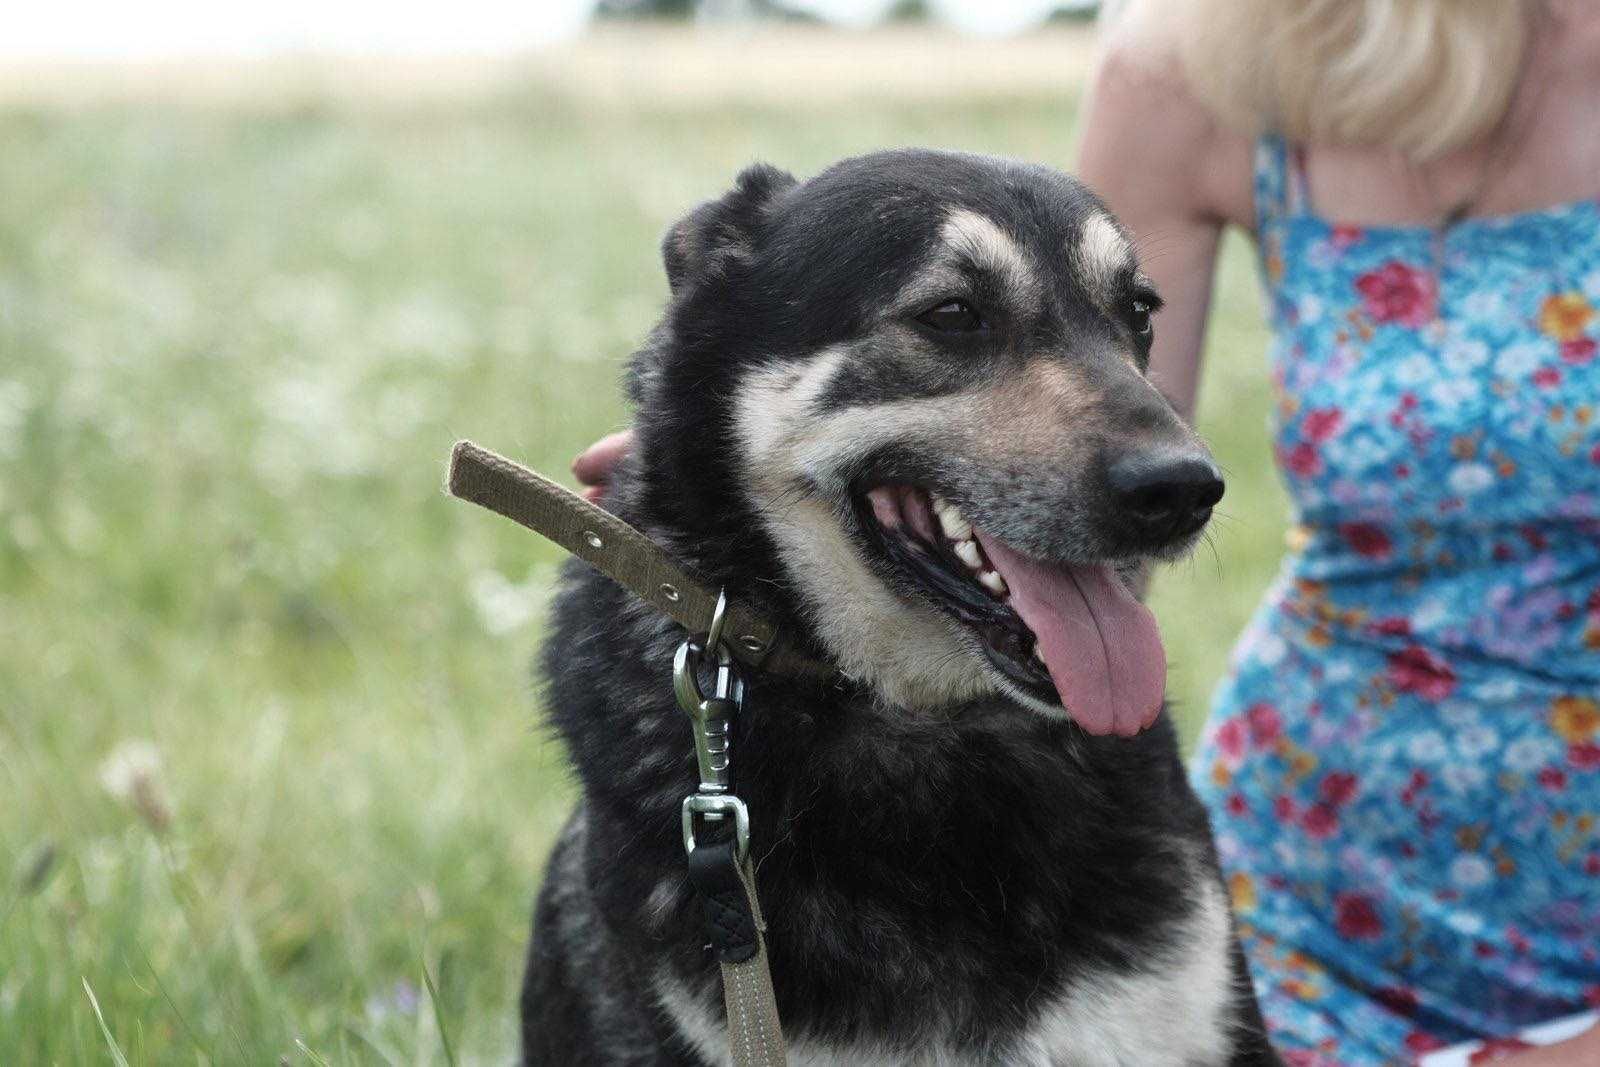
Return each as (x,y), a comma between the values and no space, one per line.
(132,774)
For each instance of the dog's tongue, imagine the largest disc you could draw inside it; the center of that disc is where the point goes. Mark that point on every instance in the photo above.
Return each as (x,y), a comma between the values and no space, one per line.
(1100,645)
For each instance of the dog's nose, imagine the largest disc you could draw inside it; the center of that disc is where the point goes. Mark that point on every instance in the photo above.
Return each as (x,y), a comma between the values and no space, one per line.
(1165,491)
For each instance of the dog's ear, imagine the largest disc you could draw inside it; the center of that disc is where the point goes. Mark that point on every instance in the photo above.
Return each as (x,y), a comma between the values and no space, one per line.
(718,233)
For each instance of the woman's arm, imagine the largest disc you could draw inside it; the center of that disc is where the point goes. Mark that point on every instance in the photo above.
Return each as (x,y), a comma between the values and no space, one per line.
(1174,178)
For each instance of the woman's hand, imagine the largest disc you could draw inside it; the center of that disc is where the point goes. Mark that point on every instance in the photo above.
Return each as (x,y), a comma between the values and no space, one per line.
(594,465)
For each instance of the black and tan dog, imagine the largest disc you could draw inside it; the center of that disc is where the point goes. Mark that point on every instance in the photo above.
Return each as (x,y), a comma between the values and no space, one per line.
(902,406)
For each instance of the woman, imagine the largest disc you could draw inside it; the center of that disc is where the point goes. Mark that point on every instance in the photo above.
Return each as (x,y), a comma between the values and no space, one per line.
(1404,764)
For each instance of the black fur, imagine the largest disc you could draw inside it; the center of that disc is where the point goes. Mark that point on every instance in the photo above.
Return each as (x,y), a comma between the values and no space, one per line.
(924,874)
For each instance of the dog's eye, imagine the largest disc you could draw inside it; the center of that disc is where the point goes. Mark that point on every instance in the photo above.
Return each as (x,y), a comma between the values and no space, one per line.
(1139,316)
(952,316)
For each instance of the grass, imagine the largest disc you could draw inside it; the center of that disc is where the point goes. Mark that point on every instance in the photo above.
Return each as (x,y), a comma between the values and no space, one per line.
(273,784)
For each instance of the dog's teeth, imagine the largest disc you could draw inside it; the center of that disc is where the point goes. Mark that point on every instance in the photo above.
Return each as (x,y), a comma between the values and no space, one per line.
(955,527)
(1037,654)
(992,581)
(969,554)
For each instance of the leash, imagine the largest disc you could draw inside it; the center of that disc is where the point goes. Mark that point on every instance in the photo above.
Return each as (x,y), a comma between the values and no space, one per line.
(719,867)
(622,553)
(719,856)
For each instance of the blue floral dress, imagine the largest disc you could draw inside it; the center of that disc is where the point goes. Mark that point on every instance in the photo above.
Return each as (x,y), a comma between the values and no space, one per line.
(1403,766)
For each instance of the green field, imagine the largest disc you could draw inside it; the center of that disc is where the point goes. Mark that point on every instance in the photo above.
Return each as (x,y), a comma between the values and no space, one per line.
(269,744)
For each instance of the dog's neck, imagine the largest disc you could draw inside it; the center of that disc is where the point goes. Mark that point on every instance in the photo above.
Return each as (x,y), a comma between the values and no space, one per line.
(713,533)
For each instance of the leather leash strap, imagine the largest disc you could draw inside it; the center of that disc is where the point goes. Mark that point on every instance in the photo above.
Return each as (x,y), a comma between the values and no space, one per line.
(755,1036)
(621,553)
(734,928)
(628,557)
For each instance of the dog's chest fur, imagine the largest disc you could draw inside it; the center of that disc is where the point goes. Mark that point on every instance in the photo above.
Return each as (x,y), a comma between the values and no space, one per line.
(978,888)
(1172,1016)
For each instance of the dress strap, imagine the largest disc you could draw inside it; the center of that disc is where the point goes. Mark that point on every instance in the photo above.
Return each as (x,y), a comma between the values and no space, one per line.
(1299,182)
(1280,176)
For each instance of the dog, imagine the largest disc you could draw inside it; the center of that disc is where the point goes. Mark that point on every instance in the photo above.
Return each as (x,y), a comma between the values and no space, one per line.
(902,407)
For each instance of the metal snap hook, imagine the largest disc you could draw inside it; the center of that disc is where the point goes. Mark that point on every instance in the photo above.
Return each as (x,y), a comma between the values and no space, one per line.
(712,721)
(686,666)
(712,717)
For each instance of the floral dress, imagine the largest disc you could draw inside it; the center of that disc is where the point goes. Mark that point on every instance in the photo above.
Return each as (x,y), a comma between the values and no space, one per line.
(1403,766)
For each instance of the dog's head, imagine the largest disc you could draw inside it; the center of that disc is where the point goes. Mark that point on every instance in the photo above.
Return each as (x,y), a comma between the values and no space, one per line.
(912,391)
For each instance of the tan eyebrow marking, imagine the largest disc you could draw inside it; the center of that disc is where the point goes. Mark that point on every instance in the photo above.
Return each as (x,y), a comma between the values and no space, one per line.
(1102,253)
(989,247)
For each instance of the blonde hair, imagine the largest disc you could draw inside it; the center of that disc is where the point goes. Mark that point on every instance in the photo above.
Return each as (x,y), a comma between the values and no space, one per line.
(1420,76)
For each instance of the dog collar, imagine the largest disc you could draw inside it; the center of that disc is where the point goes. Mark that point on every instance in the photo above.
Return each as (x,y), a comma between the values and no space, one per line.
(624,554)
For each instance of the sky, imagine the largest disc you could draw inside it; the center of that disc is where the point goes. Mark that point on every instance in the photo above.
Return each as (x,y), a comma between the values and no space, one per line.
(165,28)
(152,29)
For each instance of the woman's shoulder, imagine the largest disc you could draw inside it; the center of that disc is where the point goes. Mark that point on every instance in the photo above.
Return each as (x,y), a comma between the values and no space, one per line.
(1129,61)
(1160,132)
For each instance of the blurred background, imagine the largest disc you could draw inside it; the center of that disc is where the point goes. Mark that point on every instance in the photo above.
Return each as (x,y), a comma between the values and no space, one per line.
(270,749)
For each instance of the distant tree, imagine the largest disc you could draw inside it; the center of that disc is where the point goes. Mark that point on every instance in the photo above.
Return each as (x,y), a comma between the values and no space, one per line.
(903,11)
(646,8)
(681,9)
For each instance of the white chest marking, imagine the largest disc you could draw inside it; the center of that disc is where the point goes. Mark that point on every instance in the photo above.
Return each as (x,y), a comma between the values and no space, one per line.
(1173,1016)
